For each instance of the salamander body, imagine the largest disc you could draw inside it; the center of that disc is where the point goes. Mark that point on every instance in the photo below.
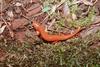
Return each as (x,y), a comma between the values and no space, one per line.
(50,37)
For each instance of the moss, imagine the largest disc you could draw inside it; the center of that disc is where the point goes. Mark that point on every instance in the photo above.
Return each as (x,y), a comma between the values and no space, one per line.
(86,21)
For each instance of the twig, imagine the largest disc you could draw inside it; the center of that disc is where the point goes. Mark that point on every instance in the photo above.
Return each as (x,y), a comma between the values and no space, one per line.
(50,25)
(26,18)
(24,8)
(95,2)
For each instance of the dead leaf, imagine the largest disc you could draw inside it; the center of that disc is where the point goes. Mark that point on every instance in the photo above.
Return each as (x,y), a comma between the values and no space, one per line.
(96,45)
(89,31)
(34,1)
(19,23)
(10,13)
(2,54)
(20,36)
(66,9)
(97,5)
(2,29)
(1,23)
(18,4)
(17,10)
(7,1)
(96,20)
(34,11)
(33,7)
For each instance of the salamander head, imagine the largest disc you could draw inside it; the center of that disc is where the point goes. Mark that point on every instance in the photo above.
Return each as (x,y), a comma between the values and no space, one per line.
(37,26)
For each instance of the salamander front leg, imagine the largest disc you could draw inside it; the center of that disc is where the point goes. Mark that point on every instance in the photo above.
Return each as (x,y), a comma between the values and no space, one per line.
(37,33)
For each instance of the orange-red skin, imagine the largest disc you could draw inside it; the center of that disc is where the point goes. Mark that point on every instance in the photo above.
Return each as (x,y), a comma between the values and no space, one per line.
(52,38)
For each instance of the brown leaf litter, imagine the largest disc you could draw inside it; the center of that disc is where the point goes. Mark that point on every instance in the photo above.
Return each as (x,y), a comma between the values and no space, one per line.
(32,11)
(2,55)
(20,36)
(19,23)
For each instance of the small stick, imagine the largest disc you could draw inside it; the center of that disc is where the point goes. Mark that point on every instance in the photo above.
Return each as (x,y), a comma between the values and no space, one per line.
(26,17)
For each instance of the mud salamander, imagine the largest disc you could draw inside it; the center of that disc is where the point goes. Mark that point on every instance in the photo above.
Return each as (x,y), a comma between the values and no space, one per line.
(52,38)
